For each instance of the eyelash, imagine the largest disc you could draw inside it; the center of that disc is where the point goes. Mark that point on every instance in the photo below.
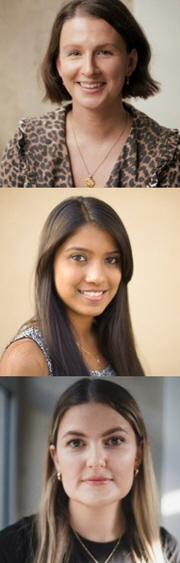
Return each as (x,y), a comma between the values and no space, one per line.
(103,52)
(109,260)
(73,54)
(78,443)
(112,260)
(79,257)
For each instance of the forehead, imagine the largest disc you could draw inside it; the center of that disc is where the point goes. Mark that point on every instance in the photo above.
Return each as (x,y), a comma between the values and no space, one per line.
(93,419)
(79,27)
(90,236)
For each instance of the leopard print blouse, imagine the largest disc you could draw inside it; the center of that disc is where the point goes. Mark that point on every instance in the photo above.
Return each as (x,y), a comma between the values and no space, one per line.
(37,156)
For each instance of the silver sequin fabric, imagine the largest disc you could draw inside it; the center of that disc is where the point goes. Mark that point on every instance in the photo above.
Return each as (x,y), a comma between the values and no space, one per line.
(35,334)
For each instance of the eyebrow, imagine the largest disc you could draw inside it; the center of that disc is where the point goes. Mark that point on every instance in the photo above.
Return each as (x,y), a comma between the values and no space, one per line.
(101,46)
(106,433)
(82,249)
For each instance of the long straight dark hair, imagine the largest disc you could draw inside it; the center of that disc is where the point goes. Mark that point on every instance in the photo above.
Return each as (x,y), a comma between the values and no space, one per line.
(115,333)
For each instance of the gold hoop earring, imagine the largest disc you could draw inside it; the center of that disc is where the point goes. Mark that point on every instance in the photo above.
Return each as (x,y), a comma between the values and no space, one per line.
(59,476)
(136,471)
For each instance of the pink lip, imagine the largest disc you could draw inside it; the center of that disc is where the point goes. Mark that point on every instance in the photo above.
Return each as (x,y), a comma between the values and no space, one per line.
(97,480)
(92,294)
(92,90)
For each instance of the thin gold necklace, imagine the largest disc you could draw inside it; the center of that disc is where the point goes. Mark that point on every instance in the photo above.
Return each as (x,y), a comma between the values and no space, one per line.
(89,181)
(89,353)
(91,555)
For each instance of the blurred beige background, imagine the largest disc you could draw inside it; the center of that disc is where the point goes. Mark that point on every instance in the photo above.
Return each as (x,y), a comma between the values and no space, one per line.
(152,221)
(24,36)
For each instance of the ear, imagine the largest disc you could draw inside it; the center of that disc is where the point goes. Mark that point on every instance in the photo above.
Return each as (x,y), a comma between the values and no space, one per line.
(53,454)
(132,62)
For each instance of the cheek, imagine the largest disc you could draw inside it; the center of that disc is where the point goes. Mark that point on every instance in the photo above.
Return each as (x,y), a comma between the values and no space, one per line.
(118,69)
(68,69)
(63,277)
(116,279)
(125,464)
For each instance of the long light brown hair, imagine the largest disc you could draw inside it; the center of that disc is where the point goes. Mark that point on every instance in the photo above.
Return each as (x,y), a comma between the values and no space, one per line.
(140,506)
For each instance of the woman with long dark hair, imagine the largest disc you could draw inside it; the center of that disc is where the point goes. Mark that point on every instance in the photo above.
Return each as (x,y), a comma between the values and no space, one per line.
(82,322)
(98,55)
(99,500)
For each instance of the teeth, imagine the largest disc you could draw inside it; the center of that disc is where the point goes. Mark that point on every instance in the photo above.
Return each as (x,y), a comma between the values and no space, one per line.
(92,293)
(91,86)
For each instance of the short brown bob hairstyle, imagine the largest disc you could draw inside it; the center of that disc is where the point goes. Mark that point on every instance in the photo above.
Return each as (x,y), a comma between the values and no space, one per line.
(120,18)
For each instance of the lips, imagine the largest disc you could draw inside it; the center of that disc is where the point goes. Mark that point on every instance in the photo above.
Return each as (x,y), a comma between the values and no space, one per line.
(97,480)
(91,85)
(92,294)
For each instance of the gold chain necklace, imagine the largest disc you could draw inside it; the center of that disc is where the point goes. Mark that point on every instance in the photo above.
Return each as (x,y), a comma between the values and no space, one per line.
(91,555)
(89,353)
(89,181)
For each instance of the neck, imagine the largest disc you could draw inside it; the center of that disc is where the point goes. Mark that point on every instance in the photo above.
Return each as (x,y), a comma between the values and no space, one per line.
(99,524)
(82,326)
(98,123)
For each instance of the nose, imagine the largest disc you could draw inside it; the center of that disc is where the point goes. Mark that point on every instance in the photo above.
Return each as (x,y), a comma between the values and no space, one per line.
(89,65)
(95,274)
(96,457)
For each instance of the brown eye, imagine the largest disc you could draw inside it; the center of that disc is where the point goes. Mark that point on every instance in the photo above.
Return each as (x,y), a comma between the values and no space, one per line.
(78,257)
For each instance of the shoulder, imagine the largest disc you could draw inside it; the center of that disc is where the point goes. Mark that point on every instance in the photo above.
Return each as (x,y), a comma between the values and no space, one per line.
(17,542)
(149,127)
(44,123)
(171,547)
(23,358)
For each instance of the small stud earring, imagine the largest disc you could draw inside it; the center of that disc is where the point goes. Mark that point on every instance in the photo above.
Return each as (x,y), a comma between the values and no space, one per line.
(59,476)
(136,471)
(127,81)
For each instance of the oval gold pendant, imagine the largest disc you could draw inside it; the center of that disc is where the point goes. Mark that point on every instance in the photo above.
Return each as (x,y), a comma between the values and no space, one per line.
(89,182)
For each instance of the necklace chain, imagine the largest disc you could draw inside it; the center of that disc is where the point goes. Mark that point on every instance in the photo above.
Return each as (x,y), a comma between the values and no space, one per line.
(89,181)
(91,555)
(89,353)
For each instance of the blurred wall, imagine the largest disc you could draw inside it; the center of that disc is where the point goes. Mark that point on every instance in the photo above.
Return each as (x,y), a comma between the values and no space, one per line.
(24,35)
(160,20)
(152,221)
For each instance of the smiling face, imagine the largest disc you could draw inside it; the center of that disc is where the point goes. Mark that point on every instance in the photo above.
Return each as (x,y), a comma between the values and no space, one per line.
(96,453)
(93,61)
(87,271)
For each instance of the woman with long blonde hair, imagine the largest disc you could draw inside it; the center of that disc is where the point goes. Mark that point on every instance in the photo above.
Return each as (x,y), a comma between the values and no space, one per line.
(99,501)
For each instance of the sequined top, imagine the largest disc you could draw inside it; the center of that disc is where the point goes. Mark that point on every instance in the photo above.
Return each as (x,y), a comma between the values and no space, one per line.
(34,334)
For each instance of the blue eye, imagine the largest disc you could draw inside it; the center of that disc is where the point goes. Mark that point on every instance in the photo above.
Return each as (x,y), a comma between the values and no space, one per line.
(75,443)
(114,441)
